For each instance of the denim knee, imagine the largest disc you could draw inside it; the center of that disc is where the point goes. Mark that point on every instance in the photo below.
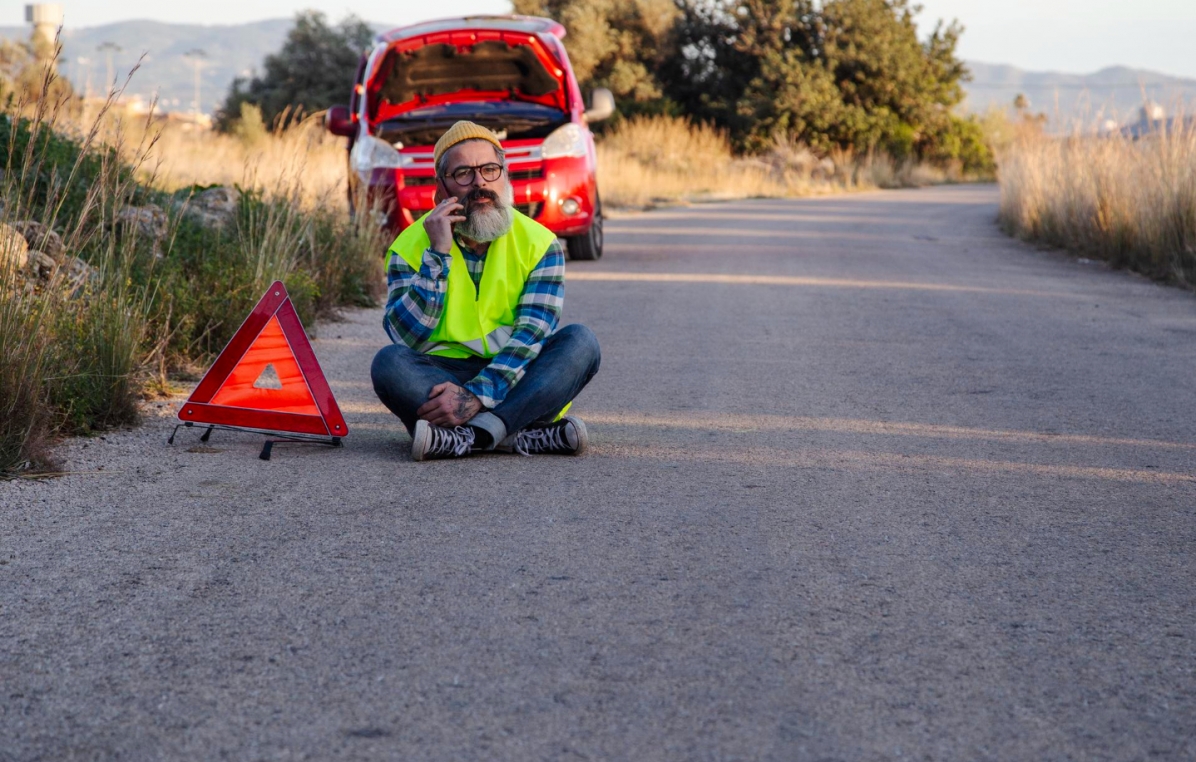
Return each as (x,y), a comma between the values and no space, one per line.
(386,359)
(387,370)
(582,347)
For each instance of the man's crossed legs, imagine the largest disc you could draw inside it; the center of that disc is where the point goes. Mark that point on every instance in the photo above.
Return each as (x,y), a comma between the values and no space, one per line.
(403,380)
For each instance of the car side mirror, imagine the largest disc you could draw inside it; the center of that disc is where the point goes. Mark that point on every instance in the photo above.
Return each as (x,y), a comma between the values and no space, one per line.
(602,105)
(339,121)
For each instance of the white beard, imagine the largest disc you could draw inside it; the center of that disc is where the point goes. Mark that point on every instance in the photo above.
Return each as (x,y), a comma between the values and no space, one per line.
(488,222)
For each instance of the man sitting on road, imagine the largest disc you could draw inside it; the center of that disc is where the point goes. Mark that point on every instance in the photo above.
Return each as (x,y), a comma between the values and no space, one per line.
(475,295)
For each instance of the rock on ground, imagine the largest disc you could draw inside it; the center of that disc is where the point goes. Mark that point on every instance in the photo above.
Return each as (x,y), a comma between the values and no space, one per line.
(14,250)
(215,207)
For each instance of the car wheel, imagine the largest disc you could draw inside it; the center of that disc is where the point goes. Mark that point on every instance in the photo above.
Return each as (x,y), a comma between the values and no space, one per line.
(588,245)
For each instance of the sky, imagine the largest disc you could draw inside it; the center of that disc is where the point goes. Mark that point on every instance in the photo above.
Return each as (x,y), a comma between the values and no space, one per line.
(1077,36)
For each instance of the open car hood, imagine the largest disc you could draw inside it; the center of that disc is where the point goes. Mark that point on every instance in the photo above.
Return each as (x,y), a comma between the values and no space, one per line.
(470,60)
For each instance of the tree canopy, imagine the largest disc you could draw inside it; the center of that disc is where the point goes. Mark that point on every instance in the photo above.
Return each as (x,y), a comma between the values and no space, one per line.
(846,74)
(616,44)
(833,74)
(313,70)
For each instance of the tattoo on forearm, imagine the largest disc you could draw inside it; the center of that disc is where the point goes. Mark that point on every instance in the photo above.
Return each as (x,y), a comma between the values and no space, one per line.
(464,401)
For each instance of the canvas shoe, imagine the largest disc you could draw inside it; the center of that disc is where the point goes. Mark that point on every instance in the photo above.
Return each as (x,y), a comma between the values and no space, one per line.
(564,437)
(430,441)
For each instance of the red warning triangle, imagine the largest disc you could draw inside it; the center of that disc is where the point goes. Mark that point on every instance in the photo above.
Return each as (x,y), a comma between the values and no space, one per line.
(267,378)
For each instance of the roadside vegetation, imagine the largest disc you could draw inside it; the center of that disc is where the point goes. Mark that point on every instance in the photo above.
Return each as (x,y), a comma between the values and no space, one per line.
(114,279)
(830,75)
(647,161)
(1129,202)
(130,250)
(303,160)
(716,98)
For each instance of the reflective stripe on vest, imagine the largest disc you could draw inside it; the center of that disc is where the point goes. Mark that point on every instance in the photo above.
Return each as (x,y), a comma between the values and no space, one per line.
(497,339)
(478,321)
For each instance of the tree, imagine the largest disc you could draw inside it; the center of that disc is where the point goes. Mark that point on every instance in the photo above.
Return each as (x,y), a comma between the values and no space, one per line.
(850,74)
(28,72)
(617,44)
(313,70)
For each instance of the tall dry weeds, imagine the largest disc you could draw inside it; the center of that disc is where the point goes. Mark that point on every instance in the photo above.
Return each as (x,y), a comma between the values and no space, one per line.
(1131,203)
(303,161)
(76,349)
(25,415)
(71,346)
(660,159)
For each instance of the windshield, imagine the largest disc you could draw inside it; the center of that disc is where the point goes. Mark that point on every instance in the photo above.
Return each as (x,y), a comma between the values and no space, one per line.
(512,120)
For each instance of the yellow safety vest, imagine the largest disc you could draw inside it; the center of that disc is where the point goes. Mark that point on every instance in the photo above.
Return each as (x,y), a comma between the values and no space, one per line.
(477,322)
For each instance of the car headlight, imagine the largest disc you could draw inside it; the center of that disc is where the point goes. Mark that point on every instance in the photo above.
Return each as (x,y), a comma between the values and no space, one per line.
(567,140)
(372,153)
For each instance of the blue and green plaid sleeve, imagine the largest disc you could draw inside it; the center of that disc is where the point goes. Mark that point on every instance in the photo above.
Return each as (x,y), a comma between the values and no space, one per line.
(536,318)
(415,299)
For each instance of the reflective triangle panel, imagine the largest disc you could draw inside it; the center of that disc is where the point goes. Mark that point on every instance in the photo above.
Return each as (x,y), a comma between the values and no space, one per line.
(267,378)
(269,348)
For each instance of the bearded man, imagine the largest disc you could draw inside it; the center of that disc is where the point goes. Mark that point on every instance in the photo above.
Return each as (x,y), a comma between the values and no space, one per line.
(475,296)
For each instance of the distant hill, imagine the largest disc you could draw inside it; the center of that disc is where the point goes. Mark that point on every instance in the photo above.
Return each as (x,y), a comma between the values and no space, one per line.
(231,51)
(1116,92)
(238,50)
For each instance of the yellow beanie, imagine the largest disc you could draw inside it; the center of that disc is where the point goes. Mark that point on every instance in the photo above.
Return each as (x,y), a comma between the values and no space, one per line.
(459,132)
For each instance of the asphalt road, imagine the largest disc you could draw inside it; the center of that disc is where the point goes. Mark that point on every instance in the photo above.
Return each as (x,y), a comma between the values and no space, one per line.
(869,481)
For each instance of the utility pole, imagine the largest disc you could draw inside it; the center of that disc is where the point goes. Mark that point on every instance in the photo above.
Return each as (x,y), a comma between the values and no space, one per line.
(86,64)
(197,56)
(109,49)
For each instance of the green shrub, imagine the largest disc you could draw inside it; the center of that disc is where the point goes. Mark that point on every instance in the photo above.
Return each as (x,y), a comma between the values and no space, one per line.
(25,416)
(964,142)
(251,128)
(97,351)
(75,351)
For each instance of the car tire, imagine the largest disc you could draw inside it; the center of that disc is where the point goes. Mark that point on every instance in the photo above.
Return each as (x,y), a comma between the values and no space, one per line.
(587,247)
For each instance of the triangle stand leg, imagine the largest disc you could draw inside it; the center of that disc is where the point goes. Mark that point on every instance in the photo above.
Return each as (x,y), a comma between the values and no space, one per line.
(170,440)
(268,445)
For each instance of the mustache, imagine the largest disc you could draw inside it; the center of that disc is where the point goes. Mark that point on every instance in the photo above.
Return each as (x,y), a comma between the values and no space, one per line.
(479,193)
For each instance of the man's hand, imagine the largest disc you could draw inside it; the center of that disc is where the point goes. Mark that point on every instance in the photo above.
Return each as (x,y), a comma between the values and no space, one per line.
(449,405)
(439,224)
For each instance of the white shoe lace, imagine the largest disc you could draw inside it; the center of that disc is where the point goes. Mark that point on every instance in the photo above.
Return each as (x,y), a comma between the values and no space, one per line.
(541,440)
(456,440)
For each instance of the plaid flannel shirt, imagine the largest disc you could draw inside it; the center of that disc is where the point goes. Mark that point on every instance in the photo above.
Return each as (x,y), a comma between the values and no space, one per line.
(415,302)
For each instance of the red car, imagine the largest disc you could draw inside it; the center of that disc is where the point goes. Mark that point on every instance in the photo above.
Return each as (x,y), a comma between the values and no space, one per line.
(508,73)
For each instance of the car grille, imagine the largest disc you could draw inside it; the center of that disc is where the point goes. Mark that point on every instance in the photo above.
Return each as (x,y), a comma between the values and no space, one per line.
(526,174)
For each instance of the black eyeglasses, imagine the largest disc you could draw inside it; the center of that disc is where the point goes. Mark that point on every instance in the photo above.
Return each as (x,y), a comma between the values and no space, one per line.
(464,175)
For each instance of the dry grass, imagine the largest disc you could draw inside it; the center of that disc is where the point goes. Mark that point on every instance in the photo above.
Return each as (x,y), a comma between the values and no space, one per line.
(1132,203)
(304,158)
(654,160)
(69,350)
(76,356)
(642,162)
(306,153)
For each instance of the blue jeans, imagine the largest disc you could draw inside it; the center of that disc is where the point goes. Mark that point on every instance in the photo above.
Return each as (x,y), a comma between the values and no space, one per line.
(403,379)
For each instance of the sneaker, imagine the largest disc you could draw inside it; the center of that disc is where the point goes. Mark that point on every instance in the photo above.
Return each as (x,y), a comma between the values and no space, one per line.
(438,442)
(565,437)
